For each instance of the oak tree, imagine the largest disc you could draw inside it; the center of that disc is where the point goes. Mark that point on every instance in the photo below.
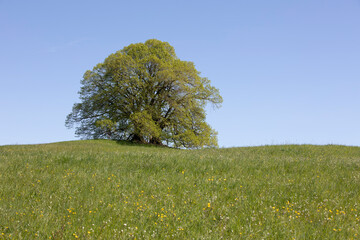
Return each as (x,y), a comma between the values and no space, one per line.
(145,93)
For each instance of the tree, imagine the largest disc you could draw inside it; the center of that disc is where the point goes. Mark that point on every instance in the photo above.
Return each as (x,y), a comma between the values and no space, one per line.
(145,93)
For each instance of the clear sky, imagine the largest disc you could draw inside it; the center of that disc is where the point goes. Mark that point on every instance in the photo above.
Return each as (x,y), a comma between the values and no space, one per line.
(289,71)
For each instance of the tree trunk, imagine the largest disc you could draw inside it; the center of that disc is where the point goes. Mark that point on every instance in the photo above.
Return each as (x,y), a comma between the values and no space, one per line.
(137,138)
(156,141)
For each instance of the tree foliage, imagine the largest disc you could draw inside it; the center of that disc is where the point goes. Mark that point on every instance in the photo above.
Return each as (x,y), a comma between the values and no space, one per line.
(145,93)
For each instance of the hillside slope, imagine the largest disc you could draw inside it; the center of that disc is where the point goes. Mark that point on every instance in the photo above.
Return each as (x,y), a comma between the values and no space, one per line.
(108,190)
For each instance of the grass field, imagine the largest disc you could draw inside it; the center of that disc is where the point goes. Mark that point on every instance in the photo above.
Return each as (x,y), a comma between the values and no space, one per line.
(102,189)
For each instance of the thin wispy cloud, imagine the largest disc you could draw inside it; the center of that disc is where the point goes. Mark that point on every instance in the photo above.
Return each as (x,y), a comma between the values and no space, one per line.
(69,44)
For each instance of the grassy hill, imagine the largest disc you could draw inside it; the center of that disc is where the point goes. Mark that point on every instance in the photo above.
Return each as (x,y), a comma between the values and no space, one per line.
(108,190)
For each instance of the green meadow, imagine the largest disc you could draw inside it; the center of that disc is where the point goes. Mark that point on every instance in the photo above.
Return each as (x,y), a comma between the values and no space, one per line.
(100,189)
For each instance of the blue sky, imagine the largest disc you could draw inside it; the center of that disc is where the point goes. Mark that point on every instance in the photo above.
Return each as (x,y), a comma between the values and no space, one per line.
(289,71)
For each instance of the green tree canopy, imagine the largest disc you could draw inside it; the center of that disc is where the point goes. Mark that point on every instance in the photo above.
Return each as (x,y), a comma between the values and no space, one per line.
(145,93)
